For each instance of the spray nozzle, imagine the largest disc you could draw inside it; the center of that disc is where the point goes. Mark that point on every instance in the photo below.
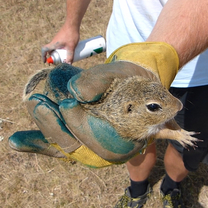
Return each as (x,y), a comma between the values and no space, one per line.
(49,60)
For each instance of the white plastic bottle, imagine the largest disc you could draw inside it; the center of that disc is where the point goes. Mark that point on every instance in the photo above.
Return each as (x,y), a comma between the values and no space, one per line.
(85,48)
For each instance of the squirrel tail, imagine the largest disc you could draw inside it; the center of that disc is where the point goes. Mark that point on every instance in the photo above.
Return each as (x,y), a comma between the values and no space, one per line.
(34,81)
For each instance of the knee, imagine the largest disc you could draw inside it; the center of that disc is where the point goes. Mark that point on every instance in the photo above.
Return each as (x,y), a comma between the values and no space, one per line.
(140,166)
(174,164)
(172,155)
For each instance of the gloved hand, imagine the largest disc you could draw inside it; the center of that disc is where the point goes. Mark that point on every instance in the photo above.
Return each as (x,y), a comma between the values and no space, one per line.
(159,62)
(53,139)
(101,145)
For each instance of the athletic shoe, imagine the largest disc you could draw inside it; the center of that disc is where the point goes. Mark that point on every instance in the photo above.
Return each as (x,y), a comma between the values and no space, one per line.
(126,201)
(172,199)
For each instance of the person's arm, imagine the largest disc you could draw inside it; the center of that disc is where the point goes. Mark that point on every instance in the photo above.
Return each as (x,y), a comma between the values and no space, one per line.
(68,36)
(183,24)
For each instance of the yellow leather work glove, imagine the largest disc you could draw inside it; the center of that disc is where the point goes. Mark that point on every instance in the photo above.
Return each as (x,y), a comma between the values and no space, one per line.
(96,141)
(155,61)
(161,58)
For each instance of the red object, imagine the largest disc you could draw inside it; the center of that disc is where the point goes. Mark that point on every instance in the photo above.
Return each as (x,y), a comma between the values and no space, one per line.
(49,60)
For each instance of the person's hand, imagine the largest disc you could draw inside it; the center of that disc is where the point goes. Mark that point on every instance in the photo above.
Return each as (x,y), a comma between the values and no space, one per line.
(93,141)
(67,38)
(155,61)
(55,138)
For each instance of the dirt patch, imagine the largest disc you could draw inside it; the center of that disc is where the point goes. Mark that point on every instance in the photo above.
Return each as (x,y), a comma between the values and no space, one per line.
(30,180)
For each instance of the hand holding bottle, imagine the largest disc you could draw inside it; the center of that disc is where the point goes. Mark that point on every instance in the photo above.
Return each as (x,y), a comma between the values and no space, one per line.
(65,39)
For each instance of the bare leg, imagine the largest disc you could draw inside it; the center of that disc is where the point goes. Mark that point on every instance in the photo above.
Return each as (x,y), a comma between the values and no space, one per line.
(140,166)
(174,164)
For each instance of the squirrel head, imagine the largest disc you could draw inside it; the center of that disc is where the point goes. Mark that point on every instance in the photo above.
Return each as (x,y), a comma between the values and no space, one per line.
(137,107)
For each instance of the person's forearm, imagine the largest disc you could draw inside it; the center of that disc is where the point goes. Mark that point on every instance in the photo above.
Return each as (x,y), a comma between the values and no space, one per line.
(75,12)
(183,24)
(68,36)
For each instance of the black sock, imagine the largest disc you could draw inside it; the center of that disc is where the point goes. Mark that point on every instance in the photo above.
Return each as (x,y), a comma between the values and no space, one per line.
(138,188)
(168,184)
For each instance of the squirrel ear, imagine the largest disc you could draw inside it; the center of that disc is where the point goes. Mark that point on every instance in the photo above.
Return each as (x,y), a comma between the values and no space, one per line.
(114,85)
(116,81)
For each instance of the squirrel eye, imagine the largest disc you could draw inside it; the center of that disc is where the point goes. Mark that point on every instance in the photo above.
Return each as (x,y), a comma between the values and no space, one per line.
(153,107)
(129,108)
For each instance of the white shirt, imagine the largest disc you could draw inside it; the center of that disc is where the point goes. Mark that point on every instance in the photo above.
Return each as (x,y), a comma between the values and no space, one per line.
(133,21)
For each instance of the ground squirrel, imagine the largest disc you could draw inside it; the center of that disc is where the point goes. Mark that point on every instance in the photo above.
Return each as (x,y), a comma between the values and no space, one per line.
(137,107)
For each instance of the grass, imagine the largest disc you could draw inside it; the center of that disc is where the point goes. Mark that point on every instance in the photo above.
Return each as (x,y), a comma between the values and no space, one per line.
(30,180)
